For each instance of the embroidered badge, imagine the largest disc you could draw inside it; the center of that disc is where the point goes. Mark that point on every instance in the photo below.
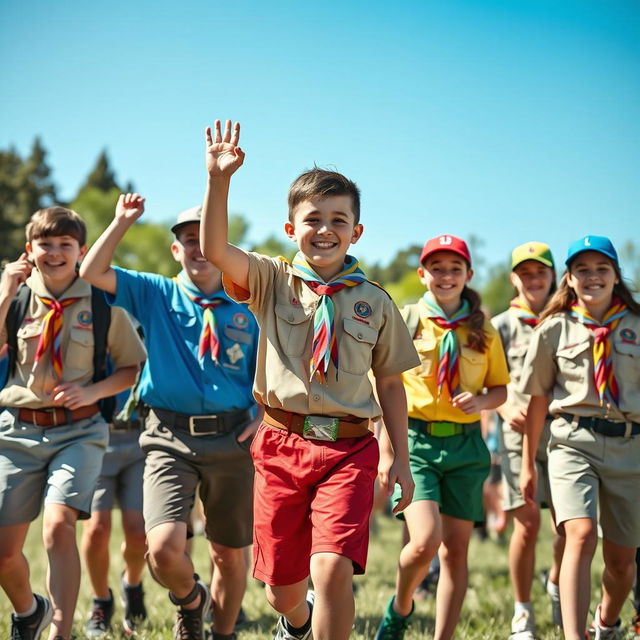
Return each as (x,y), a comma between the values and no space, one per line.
(84,318)
(362,309)
(629,336)
(240,320)
(234,353)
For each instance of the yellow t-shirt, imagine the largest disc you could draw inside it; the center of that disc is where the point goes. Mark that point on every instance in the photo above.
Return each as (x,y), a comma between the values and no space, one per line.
(477,371)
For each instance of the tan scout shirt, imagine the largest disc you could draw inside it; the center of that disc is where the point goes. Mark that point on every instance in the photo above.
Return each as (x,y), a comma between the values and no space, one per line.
(369,331)
(559,364)
(515,336)
(32,390)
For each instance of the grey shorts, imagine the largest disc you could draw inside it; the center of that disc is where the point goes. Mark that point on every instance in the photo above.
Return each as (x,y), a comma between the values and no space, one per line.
(589,473)
(511,464)
(176,462)
(121,476)
(57,465)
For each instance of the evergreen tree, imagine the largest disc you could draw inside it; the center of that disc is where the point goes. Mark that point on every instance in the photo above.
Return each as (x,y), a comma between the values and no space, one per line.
(102,176)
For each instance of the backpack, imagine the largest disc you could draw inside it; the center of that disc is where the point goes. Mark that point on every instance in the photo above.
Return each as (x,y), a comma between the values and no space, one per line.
(101,315)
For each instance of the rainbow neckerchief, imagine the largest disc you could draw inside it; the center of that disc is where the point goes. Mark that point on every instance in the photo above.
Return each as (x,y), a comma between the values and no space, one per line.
(603,375)
(52,332)
(448,360)
(325,347)
(209,342)
(524,312)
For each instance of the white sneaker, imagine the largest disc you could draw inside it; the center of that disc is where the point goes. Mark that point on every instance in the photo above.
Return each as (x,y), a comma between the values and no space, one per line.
(283,633)
(556,611)
(606,633)
(522,626)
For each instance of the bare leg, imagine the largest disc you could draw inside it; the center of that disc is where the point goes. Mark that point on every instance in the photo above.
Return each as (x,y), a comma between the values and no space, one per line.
(134,546)
(617,579)
(290,601)
(14,569)
(522,550)
(95,551)
(228,585)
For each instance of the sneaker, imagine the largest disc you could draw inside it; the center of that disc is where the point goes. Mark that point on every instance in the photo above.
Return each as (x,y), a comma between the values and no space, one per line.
(635,625)
(554,597)
(522,626)
(133,603)
(99,621)
(606,633)
(189,624)
(32,626)
(282,629)
(393,625)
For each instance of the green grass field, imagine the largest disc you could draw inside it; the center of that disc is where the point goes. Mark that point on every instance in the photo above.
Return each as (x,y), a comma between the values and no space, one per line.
(486,614)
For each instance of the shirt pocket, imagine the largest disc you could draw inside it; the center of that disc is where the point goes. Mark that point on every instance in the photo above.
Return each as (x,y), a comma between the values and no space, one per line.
(28,336)
(627,363)
(292,327)
(473,369)
(356,346)
(79,354)
(426,348)
(574,360)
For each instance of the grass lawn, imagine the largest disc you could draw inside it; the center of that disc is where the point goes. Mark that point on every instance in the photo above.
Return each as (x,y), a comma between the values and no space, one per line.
(486,614)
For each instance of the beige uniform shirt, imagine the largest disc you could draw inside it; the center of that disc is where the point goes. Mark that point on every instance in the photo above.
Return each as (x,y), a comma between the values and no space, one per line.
(559,364)
(369,331)
(32,389)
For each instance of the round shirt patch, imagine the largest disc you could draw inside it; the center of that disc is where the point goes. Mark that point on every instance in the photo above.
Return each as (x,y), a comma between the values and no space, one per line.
(85,317)
(628,335)
(362,309)
(240,320)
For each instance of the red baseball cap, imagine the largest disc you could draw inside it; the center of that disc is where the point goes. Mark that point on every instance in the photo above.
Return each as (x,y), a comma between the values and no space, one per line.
(445,243)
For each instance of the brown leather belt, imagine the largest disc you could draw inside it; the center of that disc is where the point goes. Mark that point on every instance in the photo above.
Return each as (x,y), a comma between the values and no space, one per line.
(348,427)
(56,416)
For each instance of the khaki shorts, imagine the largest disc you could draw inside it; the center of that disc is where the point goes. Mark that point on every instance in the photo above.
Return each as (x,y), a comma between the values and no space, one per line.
(176,462)
(121,475)
(511,464)
(57,465)
(588,470)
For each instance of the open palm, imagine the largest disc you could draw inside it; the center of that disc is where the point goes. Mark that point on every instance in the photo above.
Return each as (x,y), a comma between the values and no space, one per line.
(130,206)
(224,156)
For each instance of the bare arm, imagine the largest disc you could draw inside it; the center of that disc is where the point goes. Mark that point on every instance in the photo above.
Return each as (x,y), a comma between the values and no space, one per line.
(96,266)
(470,403)
(536,414)
(224,157)
(14,274)
(394,463)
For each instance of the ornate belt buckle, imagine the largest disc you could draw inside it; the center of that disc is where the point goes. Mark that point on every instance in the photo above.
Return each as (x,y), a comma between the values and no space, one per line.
(320,428)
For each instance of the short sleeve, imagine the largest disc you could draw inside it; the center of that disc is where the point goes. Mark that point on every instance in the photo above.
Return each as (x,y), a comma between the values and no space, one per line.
(136,292)
(497,371)
(539,369)
(125,346)
(261,278)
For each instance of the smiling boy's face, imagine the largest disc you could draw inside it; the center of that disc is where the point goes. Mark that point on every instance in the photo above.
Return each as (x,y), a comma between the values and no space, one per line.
(56,258)
(186,250)
(324,229)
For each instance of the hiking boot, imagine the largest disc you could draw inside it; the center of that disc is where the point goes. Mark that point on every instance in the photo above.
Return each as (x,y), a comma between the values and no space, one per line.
(283,631)
(523,626)
(133,602)
(32,626)
(606,633)
(99,621)
(393,625)
(189,623)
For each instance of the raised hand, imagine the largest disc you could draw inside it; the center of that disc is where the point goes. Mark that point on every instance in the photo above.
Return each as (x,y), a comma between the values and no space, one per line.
(130,207)
(14,274)
(223,155)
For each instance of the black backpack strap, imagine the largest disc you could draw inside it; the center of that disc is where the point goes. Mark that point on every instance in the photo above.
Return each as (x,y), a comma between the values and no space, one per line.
(101,317)
(15,316)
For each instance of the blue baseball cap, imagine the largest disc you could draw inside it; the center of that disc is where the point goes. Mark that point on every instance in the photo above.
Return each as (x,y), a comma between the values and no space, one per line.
(592,243)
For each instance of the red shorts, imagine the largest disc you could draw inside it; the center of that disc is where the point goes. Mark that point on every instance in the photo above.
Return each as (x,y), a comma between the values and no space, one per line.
(309,497)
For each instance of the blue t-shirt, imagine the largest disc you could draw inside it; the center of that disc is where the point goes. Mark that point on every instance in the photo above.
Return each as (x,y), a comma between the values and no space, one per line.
(173,377)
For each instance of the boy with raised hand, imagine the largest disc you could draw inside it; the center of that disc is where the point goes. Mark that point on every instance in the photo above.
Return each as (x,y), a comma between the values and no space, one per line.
(197,381)
(52,434)
(323,326)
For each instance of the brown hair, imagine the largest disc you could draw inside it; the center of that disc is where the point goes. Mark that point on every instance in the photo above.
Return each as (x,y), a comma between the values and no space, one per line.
(322,183)
(57,221)
(477,334)
(565,296)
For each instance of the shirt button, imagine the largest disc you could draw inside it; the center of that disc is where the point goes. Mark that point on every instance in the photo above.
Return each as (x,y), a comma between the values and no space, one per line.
(316,397)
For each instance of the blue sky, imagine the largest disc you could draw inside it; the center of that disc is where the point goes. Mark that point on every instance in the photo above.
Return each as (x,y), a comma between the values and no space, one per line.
(511,120)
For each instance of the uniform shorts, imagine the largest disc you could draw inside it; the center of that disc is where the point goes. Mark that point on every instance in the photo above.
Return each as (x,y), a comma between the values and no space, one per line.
(121,476)
(54,465)
(591,472)
(310,497)
(449,471)
(176,462)
(511,463)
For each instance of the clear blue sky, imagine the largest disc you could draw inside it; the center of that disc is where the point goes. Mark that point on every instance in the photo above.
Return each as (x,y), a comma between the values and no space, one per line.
(511,120)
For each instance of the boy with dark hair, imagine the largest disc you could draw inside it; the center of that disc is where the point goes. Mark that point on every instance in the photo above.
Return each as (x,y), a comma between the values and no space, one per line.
(52,433)
(323,326)
(197,382)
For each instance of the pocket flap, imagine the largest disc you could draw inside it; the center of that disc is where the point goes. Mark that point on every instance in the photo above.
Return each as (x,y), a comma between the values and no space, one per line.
(360,332)
(237,335)
(291,314)
(573,350)
(628,349)
(82,336)
(471,355)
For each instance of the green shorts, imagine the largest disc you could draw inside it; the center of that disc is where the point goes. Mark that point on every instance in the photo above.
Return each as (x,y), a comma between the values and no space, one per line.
(449,470)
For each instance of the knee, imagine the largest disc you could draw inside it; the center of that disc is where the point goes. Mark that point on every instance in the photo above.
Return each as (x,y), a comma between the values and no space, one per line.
(620,567)
(8,558)
(424,549)
(134,535)
(59,531)
(329,570)
(454,553)
(581,534)
(284,599)
(96,534)
(227,559)
(162,555)
(527,521)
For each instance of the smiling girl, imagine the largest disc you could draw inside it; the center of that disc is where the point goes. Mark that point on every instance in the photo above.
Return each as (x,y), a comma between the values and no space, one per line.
(584,365)
(462,372)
